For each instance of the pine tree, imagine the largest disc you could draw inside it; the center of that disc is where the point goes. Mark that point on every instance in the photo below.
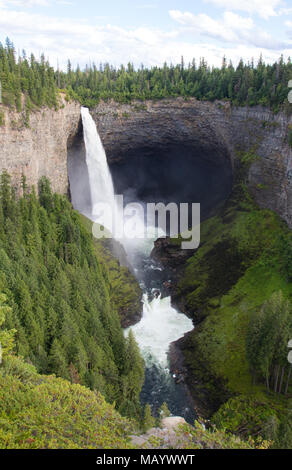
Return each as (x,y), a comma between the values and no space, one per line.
(164,411)
(267,338)
(59,297)
(148,421)
(6,336)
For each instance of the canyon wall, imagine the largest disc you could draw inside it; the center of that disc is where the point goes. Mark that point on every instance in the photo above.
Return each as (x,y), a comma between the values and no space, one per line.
(216,131)
(38,147)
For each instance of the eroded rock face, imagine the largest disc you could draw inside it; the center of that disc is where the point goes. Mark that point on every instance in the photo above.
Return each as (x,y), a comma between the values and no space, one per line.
(216,132)
(168,436)
(40,149)
(127,129)
(169,253)
(163,152)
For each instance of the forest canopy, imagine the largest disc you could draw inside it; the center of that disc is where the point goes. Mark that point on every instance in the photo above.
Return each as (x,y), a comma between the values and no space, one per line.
(252,83)
(55,292)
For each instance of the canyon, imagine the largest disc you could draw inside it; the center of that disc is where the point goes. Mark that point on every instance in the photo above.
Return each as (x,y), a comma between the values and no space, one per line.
(39,147)
(158,139)
(169,150)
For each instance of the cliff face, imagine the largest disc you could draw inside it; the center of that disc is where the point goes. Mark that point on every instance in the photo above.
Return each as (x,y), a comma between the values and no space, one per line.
(212,132)
(216,132)
(41,148)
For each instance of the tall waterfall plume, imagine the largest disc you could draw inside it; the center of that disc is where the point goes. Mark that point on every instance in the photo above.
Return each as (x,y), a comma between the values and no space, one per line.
(161,324)
(100,180)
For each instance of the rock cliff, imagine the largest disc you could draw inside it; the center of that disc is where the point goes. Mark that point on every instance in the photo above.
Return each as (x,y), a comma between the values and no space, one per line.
(38,148)
(217,132)
(213,133)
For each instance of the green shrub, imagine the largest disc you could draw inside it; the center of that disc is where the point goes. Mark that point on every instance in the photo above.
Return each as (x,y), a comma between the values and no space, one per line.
(44,412)
(247,417)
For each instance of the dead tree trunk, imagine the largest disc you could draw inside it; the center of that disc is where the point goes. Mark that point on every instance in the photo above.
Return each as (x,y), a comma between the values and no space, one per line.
(281,381)
(276,378)
(288,379)
(267,381)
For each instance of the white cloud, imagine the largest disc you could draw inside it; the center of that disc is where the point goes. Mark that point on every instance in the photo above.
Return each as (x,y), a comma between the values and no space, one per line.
(226,30)
(263,8)
(289,25)
(231,28)
(83,41)
(285,11)
(26,3)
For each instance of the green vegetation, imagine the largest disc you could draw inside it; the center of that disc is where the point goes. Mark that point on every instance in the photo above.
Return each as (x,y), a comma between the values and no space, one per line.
(57,312)
(2,118)
(124,288)
(268,333)
(247,416)
(238,286)
(45,412)
(6,336)
(247,84)
(58,291)
(199,437)
(149,421)
(164,411)
(35,80)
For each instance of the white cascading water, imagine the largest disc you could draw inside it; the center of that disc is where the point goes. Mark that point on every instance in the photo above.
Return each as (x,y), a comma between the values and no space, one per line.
(161,324)
(100,180)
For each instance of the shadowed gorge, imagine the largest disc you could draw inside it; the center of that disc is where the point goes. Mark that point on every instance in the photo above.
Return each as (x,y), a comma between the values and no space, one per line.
(177,173)
(171,167)
(158,156)
(177,152)
(78,173)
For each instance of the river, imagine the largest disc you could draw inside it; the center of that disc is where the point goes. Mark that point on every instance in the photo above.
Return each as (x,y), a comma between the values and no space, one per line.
(161,324)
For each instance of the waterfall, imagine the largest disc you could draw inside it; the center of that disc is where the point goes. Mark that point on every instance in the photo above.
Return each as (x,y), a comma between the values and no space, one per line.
(161,324)
(100,180)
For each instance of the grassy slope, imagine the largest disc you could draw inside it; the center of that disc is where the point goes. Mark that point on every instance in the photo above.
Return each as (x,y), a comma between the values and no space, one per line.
(45,412)
(39,411)
(238,266)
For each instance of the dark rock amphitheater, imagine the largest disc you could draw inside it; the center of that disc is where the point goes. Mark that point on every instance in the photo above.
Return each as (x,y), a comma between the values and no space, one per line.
(170,150)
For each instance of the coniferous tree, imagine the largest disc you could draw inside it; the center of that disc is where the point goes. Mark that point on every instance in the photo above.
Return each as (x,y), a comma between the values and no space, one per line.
(266,343)
(148,421)
(59,297)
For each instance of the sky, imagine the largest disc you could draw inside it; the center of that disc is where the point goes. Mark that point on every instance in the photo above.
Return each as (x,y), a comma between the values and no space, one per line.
(148,31)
